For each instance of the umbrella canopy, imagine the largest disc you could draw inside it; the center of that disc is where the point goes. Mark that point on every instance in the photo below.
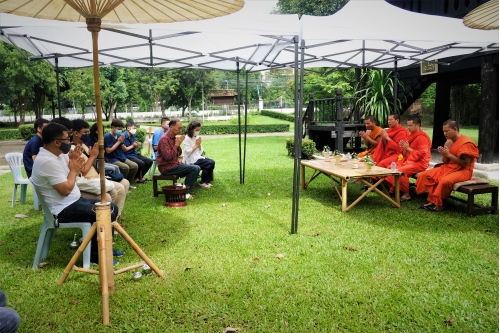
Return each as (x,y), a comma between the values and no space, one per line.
(484,17)
(122,11)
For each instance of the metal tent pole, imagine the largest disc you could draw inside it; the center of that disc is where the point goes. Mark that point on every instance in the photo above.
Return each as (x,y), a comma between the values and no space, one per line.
(298,133)
(395,83)
(239,114)
(58,87)
(246,121)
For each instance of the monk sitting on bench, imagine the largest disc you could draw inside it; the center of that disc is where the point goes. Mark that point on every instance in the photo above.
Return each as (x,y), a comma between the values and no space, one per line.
(459,154)
(371,137)
(416,156)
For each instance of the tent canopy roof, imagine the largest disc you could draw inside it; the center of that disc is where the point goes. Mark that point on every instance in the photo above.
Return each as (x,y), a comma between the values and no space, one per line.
(352,37)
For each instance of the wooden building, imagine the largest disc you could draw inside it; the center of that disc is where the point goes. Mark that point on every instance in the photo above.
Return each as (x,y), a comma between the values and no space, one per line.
(222,96)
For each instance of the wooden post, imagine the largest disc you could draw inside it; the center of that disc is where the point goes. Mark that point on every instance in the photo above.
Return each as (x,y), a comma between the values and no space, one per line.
(489,109)
(441,110)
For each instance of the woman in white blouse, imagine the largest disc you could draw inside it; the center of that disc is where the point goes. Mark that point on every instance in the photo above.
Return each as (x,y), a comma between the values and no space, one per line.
(193,151)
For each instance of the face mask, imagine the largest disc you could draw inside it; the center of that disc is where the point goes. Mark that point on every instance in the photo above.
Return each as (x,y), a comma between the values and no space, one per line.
(118,132)
(85,137)
(196,133)
(65,147)
(133,131)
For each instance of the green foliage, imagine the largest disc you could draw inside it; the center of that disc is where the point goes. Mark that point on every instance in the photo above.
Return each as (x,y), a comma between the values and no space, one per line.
(234,120)
(323,84)
(277,115)
(233,129)
(11,134)
(140,135)
(26,131)
(309,7)
(308,148)
(428,97)
(377,98)
(129,119)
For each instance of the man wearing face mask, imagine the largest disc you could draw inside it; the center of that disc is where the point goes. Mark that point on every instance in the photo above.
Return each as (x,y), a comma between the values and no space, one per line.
(113,145)
(130,144)
(54,175)
(159,132)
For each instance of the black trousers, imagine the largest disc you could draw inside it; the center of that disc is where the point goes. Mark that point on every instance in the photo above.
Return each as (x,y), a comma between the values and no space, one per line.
(144,164)
(207,166)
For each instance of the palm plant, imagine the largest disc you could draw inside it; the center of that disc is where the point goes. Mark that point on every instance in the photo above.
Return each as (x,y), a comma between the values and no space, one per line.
(377,99)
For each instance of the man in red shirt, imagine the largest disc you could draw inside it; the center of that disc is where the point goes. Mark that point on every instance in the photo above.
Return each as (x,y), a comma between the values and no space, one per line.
(167,156)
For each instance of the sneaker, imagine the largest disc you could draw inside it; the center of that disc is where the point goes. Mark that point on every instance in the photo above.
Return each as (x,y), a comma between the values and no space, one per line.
(118,253)
(115,262)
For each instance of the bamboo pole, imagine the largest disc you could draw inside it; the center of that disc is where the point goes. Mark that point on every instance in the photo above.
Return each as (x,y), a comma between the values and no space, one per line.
(129,268)
(137,249)
(103,272)
(104,227)
(75,257)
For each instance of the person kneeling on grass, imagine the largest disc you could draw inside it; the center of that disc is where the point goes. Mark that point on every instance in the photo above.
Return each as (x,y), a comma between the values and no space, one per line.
(54,176)
(193,154)
(119,193)
(168,154)
(129,147)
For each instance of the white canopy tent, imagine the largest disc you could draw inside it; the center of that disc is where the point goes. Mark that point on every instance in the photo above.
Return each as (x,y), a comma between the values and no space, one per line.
(371,34)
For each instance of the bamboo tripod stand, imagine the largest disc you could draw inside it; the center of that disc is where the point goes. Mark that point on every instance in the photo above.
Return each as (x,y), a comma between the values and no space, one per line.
(105,246)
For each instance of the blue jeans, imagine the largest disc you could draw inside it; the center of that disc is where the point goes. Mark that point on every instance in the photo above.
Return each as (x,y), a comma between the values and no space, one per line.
(82,210)
(9,319)
(190,171)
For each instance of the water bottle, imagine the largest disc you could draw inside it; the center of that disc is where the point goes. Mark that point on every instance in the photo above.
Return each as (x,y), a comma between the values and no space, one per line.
(348,157)
(393,166)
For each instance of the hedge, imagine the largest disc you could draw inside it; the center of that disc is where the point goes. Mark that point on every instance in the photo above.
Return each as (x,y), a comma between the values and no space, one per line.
(308,148)
(233,129)
(26,131)
(278,115)
(10,134)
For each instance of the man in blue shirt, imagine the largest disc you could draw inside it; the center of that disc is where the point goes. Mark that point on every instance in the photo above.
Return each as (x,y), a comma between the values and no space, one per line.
(114,148)
(129,147)
(33,146)
(159,132)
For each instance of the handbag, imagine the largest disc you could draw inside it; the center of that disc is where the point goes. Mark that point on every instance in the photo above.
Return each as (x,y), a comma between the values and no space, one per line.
(116,177)
(93,185)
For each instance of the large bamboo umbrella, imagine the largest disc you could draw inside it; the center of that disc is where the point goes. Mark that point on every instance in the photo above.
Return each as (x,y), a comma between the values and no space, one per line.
(484,17)
(114,11)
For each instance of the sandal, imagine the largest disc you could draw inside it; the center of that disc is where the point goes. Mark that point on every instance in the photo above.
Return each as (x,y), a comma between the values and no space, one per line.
(404,199)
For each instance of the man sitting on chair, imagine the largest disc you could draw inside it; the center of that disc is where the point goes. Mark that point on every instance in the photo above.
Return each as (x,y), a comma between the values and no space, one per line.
(388,148)
(54,175)
(168,154)
(129,146)
(33,146)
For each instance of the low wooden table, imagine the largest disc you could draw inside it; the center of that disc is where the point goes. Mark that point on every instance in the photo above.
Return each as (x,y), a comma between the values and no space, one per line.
(340,174)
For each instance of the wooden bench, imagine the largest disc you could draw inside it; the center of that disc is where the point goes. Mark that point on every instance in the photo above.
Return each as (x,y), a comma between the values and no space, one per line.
(158,177)
(471,189)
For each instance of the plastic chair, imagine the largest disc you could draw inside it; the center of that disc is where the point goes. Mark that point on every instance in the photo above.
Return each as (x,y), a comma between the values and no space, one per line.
(152,170)
(48,231)
(15,161)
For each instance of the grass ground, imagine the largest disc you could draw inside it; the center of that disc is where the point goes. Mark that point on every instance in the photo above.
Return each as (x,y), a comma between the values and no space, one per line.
(408,270)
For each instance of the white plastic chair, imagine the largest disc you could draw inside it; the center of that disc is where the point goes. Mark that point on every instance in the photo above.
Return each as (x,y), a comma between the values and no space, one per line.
(48,231)
(152,170)
(15,161)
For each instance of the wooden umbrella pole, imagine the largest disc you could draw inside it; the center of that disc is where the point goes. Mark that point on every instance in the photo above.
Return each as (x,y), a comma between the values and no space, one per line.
(94,26)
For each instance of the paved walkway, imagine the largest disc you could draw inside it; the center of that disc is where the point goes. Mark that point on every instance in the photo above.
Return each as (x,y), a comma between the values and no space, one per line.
(488,171)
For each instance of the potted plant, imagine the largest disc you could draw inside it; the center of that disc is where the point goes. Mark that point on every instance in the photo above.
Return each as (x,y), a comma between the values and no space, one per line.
(338,156)
(369,163)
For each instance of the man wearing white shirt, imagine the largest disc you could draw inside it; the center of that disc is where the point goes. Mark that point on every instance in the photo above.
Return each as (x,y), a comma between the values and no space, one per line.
(54,175)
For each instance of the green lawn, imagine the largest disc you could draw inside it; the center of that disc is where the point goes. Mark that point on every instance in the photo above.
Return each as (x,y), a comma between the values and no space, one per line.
(472,132)
(411,270)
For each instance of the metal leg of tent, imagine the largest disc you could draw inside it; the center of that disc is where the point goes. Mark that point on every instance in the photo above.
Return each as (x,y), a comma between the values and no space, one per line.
(395,83)
(246,122)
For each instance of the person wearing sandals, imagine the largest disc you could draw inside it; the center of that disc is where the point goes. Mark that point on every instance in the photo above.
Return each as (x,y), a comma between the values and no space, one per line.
(193,151)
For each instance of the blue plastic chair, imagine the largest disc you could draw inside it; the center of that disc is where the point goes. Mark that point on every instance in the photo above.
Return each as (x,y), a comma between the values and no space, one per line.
(15,161)
(49,230)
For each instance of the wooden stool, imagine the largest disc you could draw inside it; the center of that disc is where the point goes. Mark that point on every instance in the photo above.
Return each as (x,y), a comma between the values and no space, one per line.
(158,177)
(473,189)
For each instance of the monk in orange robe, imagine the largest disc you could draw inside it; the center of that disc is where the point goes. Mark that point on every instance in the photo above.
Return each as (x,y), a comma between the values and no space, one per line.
(459,155)
(389,149)
(371,137)
(416,156)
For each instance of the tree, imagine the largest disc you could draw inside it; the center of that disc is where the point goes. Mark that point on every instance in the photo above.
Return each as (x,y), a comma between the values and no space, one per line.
(81,92)
(309,7)
(191,82)
(324,85)
(113,90)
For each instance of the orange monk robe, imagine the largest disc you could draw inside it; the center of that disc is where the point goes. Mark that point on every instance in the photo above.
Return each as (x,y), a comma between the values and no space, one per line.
(439,181)
(388,151)
(414,161)
(374,134)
